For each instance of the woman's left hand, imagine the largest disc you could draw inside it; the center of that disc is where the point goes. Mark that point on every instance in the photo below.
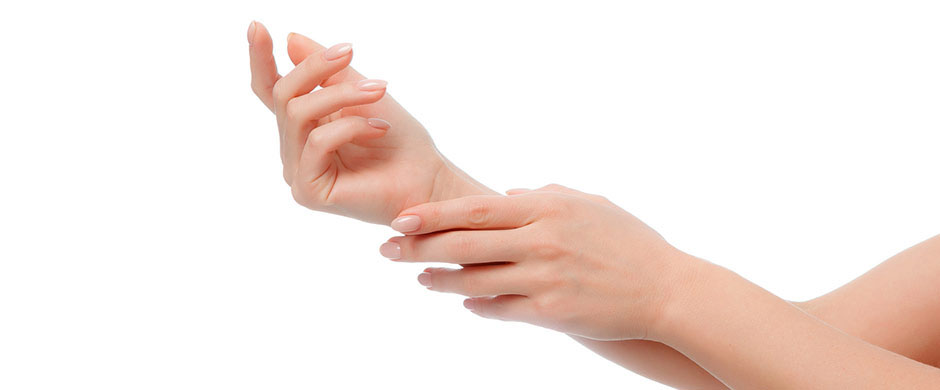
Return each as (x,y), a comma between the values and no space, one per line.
(553,257)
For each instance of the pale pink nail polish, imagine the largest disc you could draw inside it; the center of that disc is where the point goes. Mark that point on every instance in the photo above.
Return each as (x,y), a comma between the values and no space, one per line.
(379,123)
(408,223)
(371,85)
(425,279)
(391,250)
(468,303)
(251,32)
(337,51)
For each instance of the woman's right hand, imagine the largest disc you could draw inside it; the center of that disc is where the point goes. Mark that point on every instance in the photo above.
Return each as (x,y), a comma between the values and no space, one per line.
(348,148)
(574,263)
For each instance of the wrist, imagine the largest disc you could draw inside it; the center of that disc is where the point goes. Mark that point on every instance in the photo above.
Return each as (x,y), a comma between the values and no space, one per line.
(684,289)
(451,182)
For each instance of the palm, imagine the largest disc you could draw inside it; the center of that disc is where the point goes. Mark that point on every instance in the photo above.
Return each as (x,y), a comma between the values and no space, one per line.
(374,180)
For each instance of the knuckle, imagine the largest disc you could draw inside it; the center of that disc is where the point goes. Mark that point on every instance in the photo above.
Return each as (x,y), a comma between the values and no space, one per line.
(278,92)
(547,305)
(257,89)
(291,110)
(314,138)
(298,192)
(546,248)
(351,122)
(430,216)
(601,199)
(546,278)
(460,246)
(478,213)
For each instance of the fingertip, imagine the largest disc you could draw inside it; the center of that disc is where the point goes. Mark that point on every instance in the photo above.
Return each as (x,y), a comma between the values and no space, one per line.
(517,191)
(370,85)
(469,304)
(424,279)
(406,223)
(258,34)
(391,250)
(337,51)
(299,47)
(380,124)
(251,32)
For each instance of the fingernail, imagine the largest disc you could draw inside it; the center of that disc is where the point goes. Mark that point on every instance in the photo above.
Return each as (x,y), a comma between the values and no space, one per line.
(408,223)
(468,303)
(425,279)
(289,35)
(391,250)
(379,123)
(371,85)
(337,51)
(251,32)
(517,191)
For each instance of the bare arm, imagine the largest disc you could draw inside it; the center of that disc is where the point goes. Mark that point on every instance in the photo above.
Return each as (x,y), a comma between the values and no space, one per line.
(656,360)
(895,306)
(585,267)
(750,339)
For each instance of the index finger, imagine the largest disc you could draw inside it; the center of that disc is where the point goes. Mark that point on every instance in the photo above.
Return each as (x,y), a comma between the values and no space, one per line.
(263,68)
(471,212)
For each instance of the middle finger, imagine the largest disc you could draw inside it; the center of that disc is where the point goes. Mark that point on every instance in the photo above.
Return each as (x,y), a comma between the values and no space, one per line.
(458,247)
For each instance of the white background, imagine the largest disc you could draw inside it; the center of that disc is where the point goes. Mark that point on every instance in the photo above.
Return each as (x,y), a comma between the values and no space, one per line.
(148,241)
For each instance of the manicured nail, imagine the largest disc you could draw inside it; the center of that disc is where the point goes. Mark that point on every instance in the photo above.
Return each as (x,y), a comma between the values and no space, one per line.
(379,123)
(289,35)
(425,279)
(468,303)
(337,51)
(515,191)
(372,85)
(408,223)
(251,32)
(391,250)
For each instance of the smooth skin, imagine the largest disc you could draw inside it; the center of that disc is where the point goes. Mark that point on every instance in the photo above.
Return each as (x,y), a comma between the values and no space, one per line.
(348,147)
(360,191)
(576,263)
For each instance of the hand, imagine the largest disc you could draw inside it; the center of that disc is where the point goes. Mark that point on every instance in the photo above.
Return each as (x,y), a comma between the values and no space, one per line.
(348,148)
(553,257)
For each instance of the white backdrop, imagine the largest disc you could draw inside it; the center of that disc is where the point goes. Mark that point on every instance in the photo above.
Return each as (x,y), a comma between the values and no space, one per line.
(149,242)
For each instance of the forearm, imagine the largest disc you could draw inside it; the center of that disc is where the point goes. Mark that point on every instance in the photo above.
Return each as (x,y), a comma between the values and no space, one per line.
(895,305)
(655,361)
(750,339)
(863,309)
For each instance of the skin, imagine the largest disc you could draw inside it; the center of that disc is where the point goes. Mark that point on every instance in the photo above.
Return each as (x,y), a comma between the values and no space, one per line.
(336,161)
(333,159)
(582,266)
